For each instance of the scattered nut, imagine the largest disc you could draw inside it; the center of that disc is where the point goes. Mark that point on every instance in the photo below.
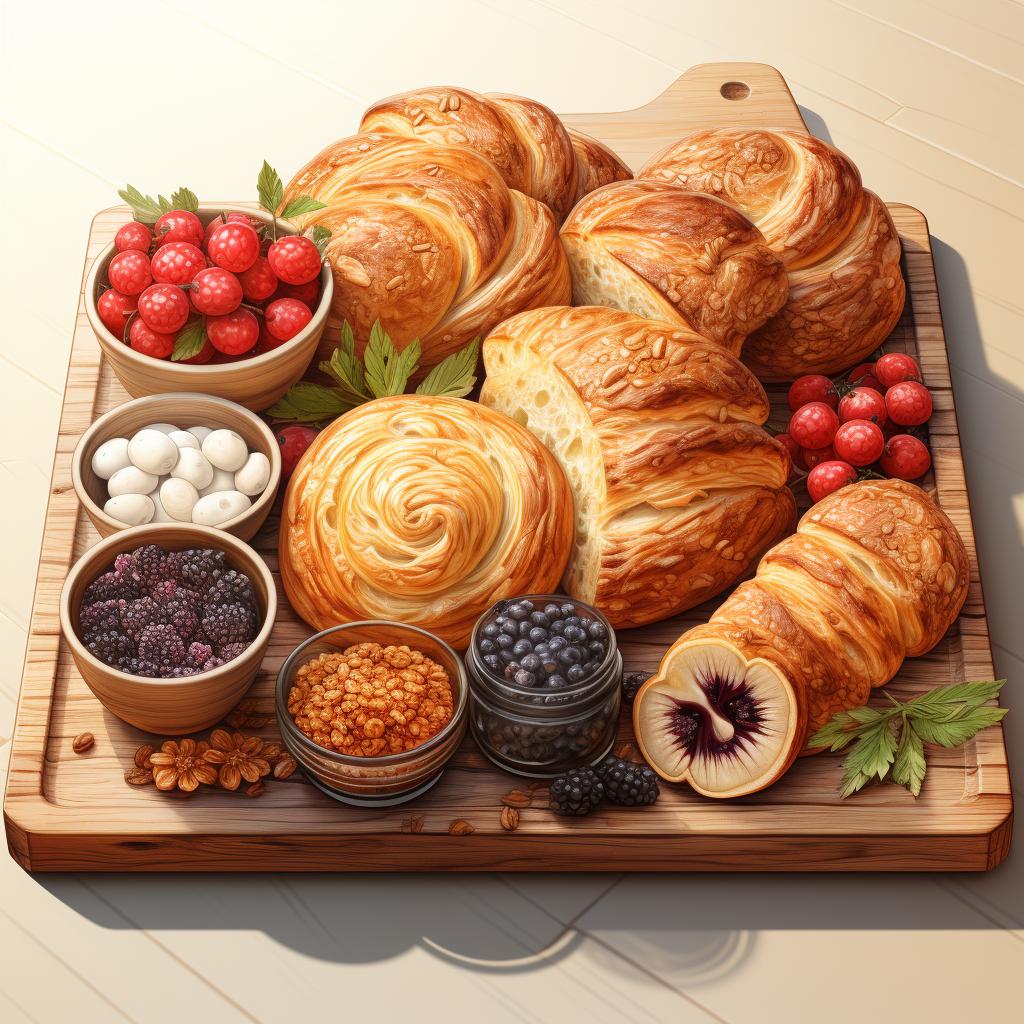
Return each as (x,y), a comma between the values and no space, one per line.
(256,789)
(143,755)
(509,819)
(138,777)
(273,752)
(284,767)
(625,751)
(413,824)
(460,827)
(83,742)
(517,798)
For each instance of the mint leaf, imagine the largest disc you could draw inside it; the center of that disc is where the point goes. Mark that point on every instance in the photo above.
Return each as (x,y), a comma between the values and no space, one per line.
(961,729)
(190,342)
(871,757)
(302,204)
(345,367)
(844,727)
(320,237)
(455,376)
(943,700)
(145,209)
(269,188)
(309,403)
(185,199)
(387,370)
(909,766)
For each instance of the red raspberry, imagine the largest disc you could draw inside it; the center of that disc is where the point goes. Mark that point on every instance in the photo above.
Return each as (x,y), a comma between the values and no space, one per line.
(309,293)
(905,457)
(164,307)
(286,317)
(179,226)
(149,343)
(133,236)
(114,309)
(129,272)
(216,292)
(828,477)
(204,355)
(259,282)
(295,260)
(177,263)
(908,403)
(234,333)
(233,246)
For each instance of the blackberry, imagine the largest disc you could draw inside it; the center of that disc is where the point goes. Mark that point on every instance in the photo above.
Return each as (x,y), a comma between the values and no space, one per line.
(198,654)
(214,662)
(145,565)
(137,615)
(195,567)
(100,617)
(631,683)
(228,624)
(109,587)
(576,792)
(161,645)
(231,587)
(113,648)
(182,671)
(180,614)
(627,783)
(230,651)
(139,667)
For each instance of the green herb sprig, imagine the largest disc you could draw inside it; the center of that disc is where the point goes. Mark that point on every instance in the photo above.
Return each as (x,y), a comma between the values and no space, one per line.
(888,743)
(383,371)
(148,210)
(270,190)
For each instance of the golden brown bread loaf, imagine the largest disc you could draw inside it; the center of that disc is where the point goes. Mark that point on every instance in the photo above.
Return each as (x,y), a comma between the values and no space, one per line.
(836,238)
(677,488)
(425,510)
(429,240)
(534,152)
(661,252)
(875,573)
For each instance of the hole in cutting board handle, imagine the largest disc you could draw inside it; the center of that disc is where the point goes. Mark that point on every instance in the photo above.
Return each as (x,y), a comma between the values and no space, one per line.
(735,90)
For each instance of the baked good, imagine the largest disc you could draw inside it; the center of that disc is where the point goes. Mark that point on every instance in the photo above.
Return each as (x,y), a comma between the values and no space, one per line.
(425,510)
(875,573)
(836,238)
(534,152)
(429,240)
(662,252)
(677,488)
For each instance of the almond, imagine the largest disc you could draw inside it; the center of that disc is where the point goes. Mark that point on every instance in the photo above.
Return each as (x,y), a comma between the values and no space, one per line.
(517,798)
(256,789)
(143,755)
(83,742)
(284,767)
(460,827)
(509,819)
(138,777)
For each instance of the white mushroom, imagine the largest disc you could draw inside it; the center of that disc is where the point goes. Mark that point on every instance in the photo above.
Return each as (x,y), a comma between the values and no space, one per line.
(164,428)
(193,467)
(130,509)
(153,452)
(200,433)
(184,439)
(222,481)
(254,476)
(111,456)
(226,450)
(219,507)
(131,480)
(178,498)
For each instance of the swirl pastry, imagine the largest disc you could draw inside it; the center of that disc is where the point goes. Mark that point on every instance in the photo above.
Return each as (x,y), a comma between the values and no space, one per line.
(875,573)
(836,239)
(659,251)
(677,488)
(533,151)
(429,240)
(425,510)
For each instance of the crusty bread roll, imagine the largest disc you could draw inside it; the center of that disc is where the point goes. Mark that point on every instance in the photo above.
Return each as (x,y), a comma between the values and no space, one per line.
(659,251)
(534,152)
(677,488)
(429,240)
(875,573)
(836,238)
(425,510)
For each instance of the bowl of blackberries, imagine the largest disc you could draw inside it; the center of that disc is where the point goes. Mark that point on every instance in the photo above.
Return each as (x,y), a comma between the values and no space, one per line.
(168,624)
(545,683)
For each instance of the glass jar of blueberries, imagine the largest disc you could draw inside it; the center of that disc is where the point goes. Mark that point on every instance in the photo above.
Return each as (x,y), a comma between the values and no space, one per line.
(545,684)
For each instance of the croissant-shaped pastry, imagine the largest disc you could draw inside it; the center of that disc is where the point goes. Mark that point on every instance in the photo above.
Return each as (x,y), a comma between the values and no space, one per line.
(836,238)
(534,152)
(429,240)
(677,488)
(875,573)
(659,251)
(425,510)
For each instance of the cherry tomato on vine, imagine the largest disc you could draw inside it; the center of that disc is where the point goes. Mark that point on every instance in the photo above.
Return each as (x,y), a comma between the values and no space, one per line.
(828,477)
(814,425)
(812,387)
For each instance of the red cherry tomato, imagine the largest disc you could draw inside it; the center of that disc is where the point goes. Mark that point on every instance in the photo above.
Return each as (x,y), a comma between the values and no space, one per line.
(814,425)
(792,449)
(905,457)
(908,403)
(828,477)
(811,457)
(812,387)
(894,367)
(862,404)
(859,442)
(294,440)
(863,375)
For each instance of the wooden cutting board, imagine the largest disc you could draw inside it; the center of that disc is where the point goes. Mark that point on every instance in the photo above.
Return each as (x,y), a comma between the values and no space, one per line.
(69,812)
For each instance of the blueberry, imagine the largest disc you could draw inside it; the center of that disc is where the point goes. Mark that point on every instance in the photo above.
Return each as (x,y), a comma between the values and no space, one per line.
(538,635)
(591,667)
(524,628)
(572,620)
(540,619)
(556,643)
(492,629)
(575,674)
(557,626)
(596,630)
(549,665)
(542,650)
(521,610)
(506,656)
(530,662)
(568,609)
(569,656)
(493,662)
(555,682)
(524,678)
(574,634)
(551,611)
(522,647)
(596,648)
(509,627)
(487,646)
(504,641)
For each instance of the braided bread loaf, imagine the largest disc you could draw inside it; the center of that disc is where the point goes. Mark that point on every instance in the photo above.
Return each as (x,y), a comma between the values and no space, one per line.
(836,239)
(875,573)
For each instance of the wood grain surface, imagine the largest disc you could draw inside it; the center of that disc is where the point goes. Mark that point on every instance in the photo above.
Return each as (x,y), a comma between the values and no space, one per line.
(66,811)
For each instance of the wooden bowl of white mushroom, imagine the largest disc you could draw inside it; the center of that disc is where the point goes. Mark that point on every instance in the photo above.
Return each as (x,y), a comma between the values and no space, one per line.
(178,458)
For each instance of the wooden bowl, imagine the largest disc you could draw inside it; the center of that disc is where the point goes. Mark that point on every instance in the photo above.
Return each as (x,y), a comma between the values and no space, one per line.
(255,382)
(183,410)
(169,707)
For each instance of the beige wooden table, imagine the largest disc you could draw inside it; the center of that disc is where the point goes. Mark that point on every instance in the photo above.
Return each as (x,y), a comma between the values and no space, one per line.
(926,95)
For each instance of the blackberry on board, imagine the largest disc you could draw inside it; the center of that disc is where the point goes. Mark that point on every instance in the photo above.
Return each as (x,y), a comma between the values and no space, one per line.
(627,783)
(631,683)
(576,792)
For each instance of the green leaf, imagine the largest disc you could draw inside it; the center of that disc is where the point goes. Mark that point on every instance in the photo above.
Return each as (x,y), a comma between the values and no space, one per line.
(190,342)
(345,367)
(302,204)
(145,209)
(269,188)
(844,727)
(388,371)
(185,199)
(871,757)
(959,730)
(909,766)
(320,237)
(944,700)
(455,376)
(309,403)
(165,204)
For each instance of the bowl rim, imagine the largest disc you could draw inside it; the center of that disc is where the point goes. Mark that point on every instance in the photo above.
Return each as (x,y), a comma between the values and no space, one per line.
(287,724)
(99,265)
(95,511)
(216,538)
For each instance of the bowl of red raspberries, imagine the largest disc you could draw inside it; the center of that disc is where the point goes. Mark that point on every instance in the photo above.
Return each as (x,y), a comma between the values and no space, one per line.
(226,300)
